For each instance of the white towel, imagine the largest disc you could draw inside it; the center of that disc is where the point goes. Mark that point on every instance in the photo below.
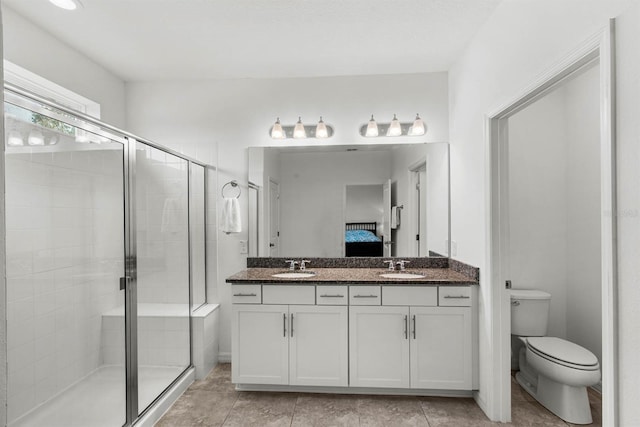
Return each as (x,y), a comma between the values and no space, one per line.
(395,217)
(170,216)
(231,216)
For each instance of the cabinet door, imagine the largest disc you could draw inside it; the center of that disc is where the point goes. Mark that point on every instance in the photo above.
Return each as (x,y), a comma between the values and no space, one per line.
(441,348)
(260,344)
(379,346)
(318,347)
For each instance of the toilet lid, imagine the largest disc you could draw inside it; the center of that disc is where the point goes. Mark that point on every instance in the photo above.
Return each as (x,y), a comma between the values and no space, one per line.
(563,351)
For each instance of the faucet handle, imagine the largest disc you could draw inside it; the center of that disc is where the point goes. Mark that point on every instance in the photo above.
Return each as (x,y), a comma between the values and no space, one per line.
(390,262)
(292,264)
(401,263)
(303,263)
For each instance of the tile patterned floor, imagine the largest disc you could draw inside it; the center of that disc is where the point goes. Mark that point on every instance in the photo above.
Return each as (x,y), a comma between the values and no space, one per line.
(214,402)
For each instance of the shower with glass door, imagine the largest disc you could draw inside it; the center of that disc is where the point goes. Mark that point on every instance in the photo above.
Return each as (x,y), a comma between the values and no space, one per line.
(104,264)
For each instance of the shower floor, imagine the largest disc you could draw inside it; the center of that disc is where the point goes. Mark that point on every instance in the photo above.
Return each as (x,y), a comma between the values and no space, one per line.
(98,400)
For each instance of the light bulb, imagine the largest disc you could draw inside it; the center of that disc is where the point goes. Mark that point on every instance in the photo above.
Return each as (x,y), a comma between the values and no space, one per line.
(276,131)
(35,137)
(394,127)
(321,130)
(298,130)
(14,139)
(372,128)
(418,127)
(66,4)
(81,136)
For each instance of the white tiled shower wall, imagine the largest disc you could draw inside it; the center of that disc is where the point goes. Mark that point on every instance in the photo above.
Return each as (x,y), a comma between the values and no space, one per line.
(162,228)
(64,259)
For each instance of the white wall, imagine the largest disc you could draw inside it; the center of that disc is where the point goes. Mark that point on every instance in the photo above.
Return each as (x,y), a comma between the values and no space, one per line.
(438,198)
(364,203)
(554,207)
(312,197)
(584,289)
(39,52)
(192,116)
(538,203)
(519,42)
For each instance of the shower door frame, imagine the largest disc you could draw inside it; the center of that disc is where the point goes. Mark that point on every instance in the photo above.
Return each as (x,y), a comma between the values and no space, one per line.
(26,99)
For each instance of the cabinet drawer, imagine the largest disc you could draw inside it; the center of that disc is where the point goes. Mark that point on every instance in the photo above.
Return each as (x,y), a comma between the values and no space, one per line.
(364,295)
(246,294)
(410,295)
(331,295)
(454,296)
(288,294)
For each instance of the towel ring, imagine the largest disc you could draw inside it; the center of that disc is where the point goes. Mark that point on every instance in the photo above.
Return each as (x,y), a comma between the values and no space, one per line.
(233,184)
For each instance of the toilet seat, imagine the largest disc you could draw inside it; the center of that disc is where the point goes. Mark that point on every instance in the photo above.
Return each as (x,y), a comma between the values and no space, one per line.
(563,352)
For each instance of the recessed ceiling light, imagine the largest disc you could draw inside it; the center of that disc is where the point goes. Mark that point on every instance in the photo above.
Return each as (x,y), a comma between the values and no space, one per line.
(67,4)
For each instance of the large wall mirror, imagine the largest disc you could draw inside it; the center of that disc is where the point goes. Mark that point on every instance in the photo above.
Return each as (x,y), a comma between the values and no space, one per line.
(335,201)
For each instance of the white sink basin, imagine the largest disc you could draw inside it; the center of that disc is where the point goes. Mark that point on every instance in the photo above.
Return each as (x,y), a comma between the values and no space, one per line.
(402,276)
(294,275)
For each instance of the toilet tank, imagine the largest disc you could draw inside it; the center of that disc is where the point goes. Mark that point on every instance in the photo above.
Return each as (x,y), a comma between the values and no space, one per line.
(529,312)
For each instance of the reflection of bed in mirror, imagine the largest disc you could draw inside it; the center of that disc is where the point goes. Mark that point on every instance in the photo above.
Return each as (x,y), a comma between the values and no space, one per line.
(361,240)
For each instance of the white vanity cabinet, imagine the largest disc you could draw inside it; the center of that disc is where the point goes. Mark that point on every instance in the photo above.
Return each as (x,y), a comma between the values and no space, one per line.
(296,344)
(355,336)
(260,344)
(412,342)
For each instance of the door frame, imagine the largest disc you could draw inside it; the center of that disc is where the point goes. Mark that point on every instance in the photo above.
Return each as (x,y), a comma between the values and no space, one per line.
(601,46)
(416,205)
(272,214)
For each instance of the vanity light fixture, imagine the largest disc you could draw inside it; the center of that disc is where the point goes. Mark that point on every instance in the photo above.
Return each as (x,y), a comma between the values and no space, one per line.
(394,129)
(35,138)
(321,130)
(298,130)
(418,128)
(372,127)
(14,139)
(67,4)
(276,131)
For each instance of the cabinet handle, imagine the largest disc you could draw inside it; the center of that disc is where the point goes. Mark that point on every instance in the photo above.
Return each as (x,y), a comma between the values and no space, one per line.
(457,296)
(365,296)
(414,326)
(406,323)
(245,295)
(284,325)
(291,327)
(331,296)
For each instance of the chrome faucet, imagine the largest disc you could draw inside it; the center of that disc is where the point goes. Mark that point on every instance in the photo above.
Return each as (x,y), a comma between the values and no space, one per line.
(303,264)
(391,266)
(401,264)
(292,264)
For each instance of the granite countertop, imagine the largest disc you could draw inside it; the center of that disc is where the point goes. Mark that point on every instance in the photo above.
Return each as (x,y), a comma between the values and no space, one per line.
(353,276)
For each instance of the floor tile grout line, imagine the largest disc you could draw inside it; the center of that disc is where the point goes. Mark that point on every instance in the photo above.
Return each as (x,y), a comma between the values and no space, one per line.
(420,402)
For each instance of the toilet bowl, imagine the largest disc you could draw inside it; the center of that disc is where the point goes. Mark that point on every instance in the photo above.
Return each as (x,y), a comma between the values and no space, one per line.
(556,372)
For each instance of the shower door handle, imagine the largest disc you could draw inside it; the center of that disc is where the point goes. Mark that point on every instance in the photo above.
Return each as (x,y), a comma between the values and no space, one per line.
(124,281)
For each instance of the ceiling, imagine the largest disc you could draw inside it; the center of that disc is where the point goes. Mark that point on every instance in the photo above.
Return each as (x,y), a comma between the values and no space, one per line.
(152,40)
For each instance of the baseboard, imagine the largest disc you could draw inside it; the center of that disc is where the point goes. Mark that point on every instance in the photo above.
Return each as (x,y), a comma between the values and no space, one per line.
(482,404)
(224,357)
(354,390)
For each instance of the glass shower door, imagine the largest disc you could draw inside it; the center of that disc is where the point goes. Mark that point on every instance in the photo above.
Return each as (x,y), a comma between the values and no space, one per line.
(163,297)
(65,255)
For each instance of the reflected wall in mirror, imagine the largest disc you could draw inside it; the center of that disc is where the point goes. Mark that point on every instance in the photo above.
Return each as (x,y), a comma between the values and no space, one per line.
(395,199)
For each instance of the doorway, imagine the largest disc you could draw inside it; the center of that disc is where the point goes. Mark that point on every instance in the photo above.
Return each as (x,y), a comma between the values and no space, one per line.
(598,52)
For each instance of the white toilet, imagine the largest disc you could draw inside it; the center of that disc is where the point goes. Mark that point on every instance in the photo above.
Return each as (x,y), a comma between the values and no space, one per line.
(554,371)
